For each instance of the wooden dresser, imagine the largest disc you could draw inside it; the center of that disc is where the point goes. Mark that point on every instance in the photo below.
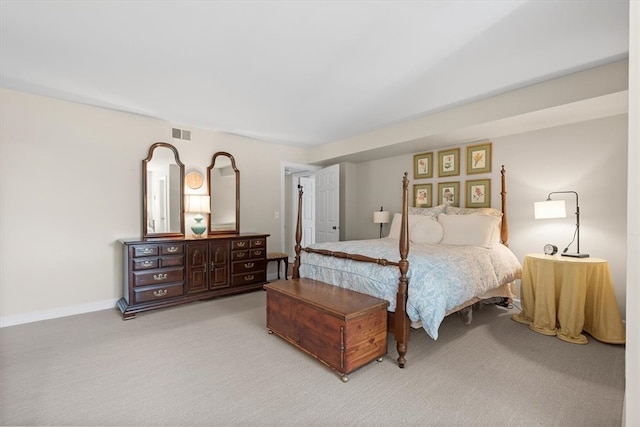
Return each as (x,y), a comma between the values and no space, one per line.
(170,271)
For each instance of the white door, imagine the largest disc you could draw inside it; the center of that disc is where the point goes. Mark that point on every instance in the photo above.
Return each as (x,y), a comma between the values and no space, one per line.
(328,204)
(308,211)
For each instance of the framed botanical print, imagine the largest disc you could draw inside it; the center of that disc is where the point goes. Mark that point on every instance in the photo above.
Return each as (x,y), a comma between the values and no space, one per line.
(449,162)
(449,193)
(478,193)
(423,165)
(479,158)
(422,195)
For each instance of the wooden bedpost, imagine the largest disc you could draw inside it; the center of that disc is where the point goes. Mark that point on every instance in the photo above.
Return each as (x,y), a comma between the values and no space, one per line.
(296,264)
(401,321)
(504,226)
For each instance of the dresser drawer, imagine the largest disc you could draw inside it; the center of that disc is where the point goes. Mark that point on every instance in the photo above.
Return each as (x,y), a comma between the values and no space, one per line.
(249,278)
(172,249)
(153,277)
(247,266)
(145,250)
(158,292)
(240,255)
(239,245)
(257,253)
(145,263)
(155,262)
(171,261)
(258,243)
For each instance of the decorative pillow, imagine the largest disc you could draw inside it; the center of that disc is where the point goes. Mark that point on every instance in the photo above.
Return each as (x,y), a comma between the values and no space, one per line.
(426,231)
(433,212)
(452,210)
(469,230)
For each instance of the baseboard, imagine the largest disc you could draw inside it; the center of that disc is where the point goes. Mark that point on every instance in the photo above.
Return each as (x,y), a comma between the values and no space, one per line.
(54,313)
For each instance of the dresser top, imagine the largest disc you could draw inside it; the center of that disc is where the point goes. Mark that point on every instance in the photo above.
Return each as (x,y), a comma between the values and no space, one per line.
(245,235)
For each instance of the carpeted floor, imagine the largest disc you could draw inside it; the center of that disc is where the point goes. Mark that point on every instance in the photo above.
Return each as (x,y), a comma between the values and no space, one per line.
(213,363)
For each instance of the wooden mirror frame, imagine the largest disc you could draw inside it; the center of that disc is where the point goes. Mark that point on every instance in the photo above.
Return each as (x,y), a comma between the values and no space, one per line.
(145,193)
(212,229)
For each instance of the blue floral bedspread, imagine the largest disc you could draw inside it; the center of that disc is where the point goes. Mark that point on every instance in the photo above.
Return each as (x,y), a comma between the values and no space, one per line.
(441,277)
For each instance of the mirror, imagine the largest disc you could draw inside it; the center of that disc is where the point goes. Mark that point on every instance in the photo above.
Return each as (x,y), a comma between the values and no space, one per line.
(163,192)
(223,179)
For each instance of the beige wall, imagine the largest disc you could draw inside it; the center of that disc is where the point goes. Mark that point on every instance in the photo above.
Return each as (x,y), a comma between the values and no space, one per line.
(70,186)
(55,155)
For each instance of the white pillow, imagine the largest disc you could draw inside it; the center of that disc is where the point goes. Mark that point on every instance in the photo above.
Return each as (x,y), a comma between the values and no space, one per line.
(394,230)
(469,230)
(426,231)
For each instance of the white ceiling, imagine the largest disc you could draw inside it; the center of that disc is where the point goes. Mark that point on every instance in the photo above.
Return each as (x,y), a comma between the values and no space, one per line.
(299,72)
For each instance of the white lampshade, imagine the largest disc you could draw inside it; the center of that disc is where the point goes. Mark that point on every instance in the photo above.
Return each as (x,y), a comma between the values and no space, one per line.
(550,209)
(197,203)
(381,217)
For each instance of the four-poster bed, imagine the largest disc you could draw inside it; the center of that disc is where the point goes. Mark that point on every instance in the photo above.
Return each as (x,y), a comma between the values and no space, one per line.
(436,279)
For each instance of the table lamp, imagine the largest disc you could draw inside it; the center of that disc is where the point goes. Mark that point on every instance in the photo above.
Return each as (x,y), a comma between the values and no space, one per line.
(198,204)
(557,209)
(381,217)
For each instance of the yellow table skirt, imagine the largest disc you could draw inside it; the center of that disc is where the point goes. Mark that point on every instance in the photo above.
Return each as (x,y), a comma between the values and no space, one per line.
(565,296)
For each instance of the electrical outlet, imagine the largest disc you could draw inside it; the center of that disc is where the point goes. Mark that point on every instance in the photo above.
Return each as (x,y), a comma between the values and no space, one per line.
(277,215)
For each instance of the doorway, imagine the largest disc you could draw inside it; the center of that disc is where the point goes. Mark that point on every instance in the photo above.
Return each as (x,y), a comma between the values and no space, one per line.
(293,174)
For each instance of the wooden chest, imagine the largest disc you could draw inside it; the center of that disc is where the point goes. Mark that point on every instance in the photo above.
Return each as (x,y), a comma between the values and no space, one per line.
(342,328)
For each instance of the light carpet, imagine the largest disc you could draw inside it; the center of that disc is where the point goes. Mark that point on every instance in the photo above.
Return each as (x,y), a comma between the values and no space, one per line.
(213,363)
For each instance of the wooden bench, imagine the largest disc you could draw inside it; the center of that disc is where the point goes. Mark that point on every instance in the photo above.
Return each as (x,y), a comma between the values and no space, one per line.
(341,328)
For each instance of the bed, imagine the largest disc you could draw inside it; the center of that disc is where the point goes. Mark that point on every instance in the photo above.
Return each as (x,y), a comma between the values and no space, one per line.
(459,257)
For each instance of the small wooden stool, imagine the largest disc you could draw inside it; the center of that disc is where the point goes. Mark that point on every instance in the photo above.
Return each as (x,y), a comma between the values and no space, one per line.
(278,257)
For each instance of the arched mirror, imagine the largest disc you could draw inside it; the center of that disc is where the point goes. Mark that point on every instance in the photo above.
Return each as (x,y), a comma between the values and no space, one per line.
(163,192)
(223,179)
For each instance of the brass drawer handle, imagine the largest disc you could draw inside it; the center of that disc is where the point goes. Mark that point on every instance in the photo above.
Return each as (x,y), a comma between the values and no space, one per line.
(241,244)
(147,263)
(172,249)
(258,253)
(241,255)
(160,276)
(249,265)
(249,277)
(258,242)
(160,293)
(147,250)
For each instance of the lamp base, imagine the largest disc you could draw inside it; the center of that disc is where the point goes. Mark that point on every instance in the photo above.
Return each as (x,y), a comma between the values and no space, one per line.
(574,255)
(198,228)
